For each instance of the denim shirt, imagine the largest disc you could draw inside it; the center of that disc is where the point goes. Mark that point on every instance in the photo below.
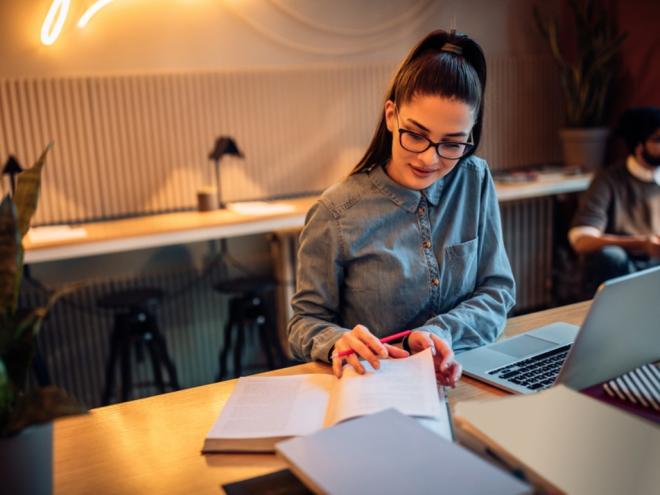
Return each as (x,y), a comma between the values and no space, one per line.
(375,253)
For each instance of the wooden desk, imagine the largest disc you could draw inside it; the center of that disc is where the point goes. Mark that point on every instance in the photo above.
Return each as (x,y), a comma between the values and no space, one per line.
(167,229)
(153,445)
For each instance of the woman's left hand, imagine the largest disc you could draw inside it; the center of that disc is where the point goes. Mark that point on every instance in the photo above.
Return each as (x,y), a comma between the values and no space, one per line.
(447,369)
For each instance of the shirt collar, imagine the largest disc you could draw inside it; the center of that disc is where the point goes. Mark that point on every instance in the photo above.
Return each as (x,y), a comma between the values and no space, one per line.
(408,199)
(642,173)
(432,192)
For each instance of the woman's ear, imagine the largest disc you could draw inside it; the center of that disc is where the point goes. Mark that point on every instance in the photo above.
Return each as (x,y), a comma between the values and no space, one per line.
(390,118)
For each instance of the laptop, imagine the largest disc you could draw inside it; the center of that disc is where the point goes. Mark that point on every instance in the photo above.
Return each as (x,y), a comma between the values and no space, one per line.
(620,332)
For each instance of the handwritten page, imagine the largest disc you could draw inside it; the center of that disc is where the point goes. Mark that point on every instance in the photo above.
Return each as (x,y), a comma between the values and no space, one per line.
(276,406)
(440,424)
(264,410)
(407,385)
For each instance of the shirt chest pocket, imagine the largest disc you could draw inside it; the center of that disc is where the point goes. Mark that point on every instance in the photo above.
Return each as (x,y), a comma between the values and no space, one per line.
(458,272)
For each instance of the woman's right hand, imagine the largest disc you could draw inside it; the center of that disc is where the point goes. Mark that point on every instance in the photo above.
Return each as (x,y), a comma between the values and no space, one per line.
(366,346)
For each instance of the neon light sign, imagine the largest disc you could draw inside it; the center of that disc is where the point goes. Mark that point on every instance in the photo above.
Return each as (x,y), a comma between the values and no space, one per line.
(57,14)
(89,13)
(54,21)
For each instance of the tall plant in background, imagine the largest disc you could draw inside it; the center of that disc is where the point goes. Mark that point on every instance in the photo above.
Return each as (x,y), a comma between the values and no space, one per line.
(586,78)
(20,404)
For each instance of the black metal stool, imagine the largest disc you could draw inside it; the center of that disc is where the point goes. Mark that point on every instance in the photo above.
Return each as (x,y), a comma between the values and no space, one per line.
(248,309)
(135,325)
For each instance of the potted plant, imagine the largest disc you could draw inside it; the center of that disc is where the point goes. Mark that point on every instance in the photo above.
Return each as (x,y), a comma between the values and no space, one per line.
(26,411)
(586,78)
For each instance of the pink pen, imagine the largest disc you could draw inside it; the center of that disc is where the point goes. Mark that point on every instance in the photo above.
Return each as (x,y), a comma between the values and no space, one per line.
(384,340)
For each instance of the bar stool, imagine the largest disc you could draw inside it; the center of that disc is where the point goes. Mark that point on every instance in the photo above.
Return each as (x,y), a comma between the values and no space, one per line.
(248,311)
(135,326)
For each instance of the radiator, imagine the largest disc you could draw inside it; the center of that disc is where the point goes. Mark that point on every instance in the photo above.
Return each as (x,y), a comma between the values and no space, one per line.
(527,226)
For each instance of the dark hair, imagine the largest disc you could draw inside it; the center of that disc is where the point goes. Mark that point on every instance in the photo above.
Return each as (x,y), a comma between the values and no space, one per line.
(445,64)
(636,125)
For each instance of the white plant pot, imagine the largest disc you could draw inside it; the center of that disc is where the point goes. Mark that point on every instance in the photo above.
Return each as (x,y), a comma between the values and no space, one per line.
(584,147)
(26,461)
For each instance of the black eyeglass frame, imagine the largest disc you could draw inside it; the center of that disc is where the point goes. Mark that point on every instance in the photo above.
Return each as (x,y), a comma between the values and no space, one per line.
(469,145)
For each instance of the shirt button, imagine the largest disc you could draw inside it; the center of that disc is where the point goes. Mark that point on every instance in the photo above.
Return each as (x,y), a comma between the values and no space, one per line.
(426,244)
(435,282)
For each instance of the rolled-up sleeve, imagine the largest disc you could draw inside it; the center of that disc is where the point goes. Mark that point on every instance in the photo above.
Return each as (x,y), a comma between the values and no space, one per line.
(594,204)
(312,329)
(593,210)
(479,319)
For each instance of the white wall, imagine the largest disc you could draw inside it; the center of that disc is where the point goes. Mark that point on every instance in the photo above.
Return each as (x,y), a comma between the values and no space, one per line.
(173,35)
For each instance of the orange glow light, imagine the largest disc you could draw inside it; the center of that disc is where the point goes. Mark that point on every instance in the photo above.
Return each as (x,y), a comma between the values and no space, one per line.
(54,21)
(90,12)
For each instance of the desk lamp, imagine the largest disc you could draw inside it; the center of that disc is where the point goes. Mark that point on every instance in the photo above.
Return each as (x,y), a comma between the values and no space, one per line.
(12,168)
(224,145)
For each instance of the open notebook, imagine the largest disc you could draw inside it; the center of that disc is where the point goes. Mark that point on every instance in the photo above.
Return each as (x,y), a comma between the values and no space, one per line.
(265,410)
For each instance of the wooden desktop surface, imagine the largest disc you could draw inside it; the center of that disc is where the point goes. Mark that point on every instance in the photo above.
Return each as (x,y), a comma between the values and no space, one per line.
(167,229)
(153,445)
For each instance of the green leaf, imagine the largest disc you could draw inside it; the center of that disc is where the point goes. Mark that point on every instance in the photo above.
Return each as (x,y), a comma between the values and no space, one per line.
(41,406)
(26,197)
(553,39)
(20,349)
(539,21)
(10,259)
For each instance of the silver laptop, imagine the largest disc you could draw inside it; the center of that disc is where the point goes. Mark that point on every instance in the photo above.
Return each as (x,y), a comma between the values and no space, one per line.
(620,332)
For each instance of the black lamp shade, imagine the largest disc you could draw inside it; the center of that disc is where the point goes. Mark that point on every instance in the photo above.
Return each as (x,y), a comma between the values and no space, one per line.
(224,145)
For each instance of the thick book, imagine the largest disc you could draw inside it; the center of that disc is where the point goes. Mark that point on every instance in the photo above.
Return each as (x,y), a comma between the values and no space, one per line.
(564,442)
(389,453)
(265,410)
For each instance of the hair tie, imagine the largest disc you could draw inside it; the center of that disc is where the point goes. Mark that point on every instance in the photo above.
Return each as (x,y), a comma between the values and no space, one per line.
(451,48)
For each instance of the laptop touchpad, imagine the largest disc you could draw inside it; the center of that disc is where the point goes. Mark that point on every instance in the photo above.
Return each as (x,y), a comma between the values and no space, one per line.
(522,346)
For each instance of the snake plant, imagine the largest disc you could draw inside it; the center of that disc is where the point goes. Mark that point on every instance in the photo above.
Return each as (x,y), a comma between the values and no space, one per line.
(21,404)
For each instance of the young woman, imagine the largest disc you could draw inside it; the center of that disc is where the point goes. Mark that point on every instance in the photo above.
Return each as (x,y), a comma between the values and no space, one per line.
(412,239)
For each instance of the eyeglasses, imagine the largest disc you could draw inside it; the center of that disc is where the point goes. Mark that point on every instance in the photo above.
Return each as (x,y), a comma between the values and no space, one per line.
(418,143)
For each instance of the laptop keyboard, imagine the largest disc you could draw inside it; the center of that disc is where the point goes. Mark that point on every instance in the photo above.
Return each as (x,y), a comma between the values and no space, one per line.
(535,373)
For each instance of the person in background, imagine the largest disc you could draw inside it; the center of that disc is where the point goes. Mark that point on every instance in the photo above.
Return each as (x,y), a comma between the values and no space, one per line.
(617,225)
(412,239)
